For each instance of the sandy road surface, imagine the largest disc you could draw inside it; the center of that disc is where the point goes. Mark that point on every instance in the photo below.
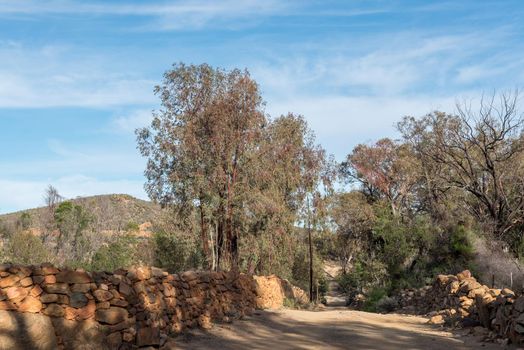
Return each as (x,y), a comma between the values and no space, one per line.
(331,329)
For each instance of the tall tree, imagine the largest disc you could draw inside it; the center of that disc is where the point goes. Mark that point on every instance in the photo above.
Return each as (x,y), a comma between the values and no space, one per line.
(386,170)
(478,152)
(200,143)
(214,154)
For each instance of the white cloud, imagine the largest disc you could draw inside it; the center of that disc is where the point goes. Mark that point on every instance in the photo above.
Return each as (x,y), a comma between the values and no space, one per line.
(57,76)
(341,122)
(169,15)
(136,119)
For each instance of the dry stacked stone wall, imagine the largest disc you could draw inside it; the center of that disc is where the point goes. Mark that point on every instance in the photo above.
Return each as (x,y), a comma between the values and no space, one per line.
(461,300)
(271,291)
(43,307)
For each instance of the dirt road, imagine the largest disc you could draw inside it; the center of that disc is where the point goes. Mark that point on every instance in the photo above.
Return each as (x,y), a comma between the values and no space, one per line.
(331,329)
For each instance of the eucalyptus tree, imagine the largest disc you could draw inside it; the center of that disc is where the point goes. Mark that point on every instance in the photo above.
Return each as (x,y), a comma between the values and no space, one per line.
(214,154)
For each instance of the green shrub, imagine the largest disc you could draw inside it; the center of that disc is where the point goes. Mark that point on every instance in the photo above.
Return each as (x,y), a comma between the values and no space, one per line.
(460,242)
(290,304)
(373,299)
(132,227)
(300,271)
(24,221)
(115,255)
(386,304)
(176,253)
(363,275)
(26,249)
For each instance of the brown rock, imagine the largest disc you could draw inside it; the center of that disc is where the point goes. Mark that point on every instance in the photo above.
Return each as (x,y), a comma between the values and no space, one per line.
(37,331)
(36,291)
(128,337)
(119,302)
(54,310)
(50,279)
(125,289)
(130,322)
(21,271)
(26,282)
(73,277)
(169,290)
(143,273)
(189,276)
(156,272)
(140,288)
(518,305)
(114,340)
(102,295)
(463,275)
(81,287)
(57,288)
(8,281)
(30,304)
(438,319)
(87,311)
(16,294)
(204,321)
(48,269)
(38,279)
(148,336)
(69,313)
(7,305)
(113,315)
(85,335)
(103,305)
(49,298)
(77,300)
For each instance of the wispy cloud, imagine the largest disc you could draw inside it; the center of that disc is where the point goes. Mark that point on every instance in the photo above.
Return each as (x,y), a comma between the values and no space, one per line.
(51,76)
(169,15)
(132,121)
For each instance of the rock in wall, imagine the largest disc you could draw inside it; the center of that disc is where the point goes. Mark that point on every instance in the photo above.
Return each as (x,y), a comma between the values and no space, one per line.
(272,290)
(43,307)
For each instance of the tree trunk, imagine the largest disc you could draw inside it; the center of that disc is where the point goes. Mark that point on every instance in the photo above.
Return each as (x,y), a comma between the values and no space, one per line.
(310,263)
(203,233)
(220,243)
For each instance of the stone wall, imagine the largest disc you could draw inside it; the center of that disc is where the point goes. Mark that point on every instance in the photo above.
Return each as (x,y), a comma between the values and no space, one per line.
(461,300)
(43,307)
(271,291)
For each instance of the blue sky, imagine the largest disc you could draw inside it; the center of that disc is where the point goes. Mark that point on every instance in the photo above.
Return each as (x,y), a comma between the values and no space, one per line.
(77,77)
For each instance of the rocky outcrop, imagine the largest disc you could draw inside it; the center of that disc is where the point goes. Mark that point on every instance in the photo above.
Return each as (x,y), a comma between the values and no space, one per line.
(43,307)
(461,299)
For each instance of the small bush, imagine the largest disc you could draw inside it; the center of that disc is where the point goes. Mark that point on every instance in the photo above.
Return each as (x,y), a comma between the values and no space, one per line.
(373,299)
(176,253)
(115,255)
(386,304)
(26,249)
(132,227)
(290,303)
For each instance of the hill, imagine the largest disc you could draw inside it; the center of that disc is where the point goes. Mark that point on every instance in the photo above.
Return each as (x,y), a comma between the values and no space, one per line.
(113,212)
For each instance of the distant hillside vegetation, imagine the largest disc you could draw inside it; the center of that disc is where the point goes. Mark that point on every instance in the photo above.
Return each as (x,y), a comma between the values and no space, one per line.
(113,212)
